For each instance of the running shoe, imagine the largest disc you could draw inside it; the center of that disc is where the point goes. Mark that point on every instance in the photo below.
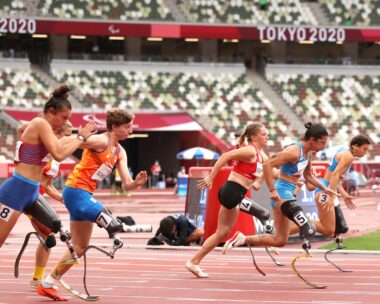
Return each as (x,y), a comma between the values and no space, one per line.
(196,270)
(50,292)
(237,240)
(34,283)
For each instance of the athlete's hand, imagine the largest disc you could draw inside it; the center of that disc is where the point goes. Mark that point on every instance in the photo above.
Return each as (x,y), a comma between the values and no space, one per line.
(87,130)
(349,203)
(274,195)
(141,178)
(256,186)
(205,183)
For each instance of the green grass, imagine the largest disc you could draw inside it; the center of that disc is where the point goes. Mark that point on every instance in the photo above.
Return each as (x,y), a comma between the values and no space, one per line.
(370,241)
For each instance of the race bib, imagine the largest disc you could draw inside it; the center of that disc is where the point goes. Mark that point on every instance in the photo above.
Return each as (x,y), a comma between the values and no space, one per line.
(17,151)
(301,167)
(103,171)
(259,170)
(5,213)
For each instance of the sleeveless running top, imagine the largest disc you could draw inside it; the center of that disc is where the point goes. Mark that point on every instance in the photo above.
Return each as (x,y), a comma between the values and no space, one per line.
(32,154)
(334,163)
(249,170)
(93,168)
(299,167)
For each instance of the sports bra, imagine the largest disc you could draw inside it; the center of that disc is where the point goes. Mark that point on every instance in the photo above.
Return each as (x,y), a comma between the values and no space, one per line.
(249,170)
(32,154)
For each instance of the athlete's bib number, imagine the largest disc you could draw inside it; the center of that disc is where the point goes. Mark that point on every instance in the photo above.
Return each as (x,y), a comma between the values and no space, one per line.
(323,198)
(5,213)
(245,204)
(104,219)
(300,219)
(103,171)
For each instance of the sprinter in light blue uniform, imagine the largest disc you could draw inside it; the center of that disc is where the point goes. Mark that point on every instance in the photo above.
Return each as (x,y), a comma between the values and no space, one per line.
(293,162)
(331,219)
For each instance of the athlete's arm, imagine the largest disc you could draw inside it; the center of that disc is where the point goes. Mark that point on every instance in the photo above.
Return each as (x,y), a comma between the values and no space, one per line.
(50,189)
(310,177)
(53,145)
(126,179)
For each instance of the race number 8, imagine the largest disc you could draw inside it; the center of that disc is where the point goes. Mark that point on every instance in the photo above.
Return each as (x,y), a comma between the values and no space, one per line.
(5,213)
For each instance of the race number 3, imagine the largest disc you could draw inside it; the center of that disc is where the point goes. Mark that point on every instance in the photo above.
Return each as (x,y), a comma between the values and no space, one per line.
(5,213)
(323,198)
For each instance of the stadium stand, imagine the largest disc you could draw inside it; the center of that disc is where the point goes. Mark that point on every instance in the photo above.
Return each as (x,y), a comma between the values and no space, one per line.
(346,98)
(12,7)
(100,9)
(222,92)
(247,12)
(347,12)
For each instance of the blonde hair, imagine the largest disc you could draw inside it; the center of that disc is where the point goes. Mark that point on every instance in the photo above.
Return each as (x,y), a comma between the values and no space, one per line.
(250,130)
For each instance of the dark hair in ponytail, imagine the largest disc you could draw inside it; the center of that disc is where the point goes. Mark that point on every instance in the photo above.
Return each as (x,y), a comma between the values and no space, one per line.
(58,101)
(359,140)
(316,131)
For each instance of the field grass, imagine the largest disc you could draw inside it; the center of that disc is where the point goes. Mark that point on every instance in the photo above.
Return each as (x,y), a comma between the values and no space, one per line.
(370,241)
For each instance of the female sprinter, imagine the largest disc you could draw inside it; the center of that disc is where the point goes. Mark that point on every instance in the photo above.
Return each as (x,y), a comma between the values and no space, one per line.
(102,152)
(246,170)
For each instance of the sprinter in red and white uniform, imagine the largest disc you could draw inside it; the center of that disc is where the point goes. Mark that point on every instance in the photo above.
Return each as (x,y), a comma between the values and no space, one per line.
(246,173)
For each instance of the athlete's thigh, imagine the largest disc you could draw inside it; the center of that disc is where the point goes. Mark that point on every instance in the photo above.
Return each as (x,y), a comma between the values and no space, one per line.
(81,232)
(8,218)
(326,215)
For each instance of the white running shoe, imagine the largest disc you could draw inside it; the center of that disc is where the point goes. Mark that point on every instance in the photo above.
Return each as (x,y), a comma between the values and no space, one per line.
(237,240)
(196,270)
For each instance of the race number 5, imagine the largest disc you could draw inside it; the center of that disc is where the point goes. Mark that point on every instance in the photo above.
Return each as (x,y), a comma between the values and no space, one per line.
(5,213)
(300,218)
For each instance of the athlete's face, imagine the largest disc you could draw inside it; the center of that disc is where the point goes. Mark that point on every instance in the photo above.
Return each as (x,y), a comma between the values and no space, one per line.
(123,131)
(360,151)
(59,119)
(261,139)
(318,144)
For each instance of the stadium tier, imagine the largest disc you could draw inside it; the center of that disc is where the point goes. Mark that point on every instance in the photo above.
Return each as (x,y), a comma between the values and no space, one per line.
(224,95)
(109,9)
(346,100)
(22,88)
(348,12)
(12,7)
(247,11)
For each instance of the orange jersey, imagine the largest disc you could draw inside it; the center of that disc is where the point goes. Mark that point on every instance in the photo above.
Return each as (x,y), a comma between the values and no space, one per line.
(93,168)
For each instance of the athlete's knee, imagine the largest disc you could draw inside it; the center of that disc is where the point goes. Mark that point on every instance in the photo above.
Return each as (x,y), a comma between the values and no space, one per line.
(41,212)
(107,221)
(253,208)
(279,242)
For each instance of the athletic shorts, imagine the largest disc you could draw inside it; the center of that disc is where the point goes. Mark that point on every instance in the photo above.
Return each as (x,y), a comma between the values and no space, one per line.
(231,194)
(18,192)
(324,182)
(81,204)
(285,190)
